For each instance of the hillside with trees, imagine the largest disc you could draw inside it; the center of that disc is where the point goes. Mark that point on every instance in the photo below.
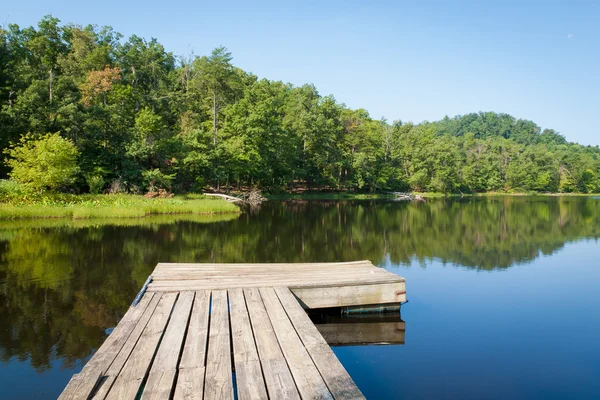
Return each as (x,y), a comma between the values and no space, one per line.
(89,110)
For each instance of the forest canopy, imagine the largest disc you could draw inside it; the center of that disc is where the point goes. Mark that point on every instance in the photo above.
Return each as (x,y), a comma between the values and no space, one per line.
(136,113)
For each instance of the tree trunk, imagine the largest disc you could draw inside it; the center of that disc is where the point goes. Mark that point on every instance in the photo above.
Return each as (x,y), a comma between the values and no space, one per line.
(51,82)
(215,117)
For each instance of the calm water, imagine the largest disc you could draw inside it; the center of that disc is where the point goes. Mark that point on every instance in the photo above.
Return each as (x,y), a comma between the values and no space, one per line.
(504,298)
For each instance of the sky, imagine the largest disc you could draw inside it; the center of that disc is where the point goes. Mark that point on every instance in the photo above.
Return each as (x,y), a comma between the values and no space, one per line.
(402,60)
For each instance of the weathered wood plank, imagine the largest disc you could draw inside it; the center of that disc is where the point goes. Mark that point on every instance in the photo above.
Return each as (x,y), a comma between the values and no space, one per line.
(160,266)
(218,383)
(250,382)
(333,282)
(275,347)
(364,294)
(190,384)
(333,372)
(249,378)
(244,348)
(159,384)
(131,376)
(208,271)
(194,351)
(190,381)
(71,388)
(115,368)
(284,273)
(306,375)
(83,385)
(278,378)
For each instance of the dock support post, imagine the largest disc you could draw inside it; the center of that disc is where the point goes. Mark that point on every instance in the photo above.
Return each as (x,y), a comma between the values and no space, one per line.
(371,309)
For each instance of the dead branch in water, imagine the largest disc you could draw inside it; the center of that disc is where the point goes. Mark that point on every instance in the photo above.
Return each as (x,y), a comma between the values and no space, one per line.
(407,196)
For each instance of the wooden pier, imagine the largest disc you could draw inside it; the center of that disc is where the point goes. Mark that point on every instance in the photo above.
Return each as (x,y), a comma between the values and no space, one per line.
(220,331)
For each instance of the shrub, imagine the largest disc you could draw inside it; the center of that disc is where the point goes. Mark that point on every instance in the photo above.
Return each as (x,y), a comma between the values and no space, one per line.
(155,179)
(46,163)
(95,182)
(10,189)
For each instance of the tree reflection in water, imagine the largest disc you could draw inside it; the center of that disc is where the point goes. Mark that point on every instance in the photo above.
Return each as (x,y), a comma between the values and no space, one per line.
(63,283)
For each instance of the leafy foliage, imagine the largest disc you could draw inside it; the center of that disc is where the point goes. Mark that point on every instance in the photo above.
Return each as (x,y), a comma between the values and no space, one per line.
(135,111)
(48,162)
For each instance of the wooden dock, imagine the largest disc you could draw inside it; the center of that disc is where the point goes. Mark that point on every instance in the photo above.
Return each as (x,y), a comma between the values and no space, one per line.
(221,331)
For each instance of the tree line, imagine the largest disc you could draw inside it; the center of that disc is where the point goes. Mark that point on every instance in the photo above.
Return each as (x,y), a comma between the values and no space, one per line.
(132,115)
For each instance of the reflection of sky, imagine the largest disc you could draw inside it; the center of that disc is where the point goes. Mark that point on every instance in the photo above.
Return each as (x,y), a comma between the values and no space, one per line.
(529,331)
(18,377)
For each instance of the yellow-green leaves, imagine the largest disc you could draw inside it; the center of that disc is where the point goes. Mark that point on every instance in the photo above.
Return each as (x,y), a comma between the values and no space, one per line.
(46,163)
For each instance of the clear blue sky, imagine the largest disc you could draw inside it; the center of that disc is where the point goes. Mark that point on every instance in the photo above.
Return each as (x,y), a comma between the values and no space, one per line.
(409,60)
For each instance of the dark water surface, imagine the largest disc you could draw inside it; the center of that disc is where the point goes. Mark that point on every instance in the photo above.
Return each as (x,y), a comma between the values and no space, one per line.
(504,292)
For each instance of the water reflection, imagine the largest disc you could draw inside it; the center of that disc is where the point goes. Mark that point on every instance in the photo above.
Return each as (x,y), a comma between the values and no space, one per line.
(62,284)
(354,330)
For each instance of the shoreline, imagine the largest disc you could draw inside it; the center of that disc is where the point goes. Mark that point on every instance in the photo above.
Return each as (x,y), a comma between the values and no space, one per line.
(99,207)
(431,195)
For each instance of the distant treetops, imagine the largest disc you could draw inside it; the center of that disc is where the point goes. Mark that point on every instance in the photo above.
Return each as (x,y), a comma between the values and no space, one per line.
(81,109)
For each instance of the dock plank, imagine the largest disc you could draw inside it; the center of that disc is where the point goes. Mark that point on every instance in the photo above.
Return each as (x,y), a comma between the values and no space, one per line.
(225,331)
(306,375)
(164,367)
(115,368)
(194,351)
(364,294)
(131,377)
(333,372)
(84,384)
(190,384)
(249,378)
(218,381)
(278,378)
(190,381)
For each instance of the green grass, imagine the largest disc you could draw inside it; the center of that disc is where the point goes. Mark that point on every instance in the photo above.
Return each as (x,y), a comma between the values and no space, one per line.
(110,206)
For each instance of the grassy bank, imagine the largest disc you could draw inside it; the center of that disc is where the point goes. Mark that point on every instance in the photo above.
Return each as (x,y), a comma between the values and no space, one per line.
(111,206)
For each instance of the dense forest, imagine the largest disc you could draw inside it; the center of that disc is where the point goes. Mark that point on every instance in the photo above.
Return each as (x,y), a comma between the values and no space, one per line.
(128,114)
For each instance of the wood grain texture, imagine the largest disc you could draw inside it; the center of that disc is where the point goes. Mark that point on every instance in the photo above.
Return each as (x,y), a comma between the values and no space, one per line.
(278,378)
(194,351)
(249,377)
(218,380)
(130,379)
(190,381)
(190,384)
(115,368)
(333,372)
(198,323)
(159,384)
(173,277)
(84,384)
(308,380)
(363,294)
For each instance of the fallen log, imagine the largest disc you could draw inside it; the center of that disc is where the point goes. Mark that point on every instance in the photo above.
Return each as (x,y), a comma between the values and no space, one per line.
(407,196)
(230,199)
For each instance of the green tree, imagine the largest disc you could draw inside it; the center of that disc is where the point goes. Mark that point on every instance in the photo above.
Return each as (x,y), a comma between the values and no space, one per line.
(46,163)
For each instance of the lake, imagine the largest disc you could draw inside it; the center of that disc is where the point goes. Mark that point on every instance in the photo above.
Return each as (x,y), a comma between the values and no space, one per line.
(503,291)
